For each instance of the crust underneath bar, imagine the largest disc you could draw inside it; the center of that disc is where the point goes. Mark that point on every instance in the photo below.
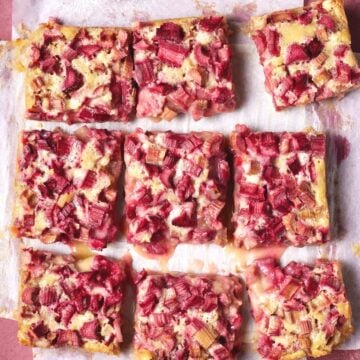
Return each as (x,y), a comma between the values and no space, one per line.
(280,188)
(77,74)
(299,310)
(306,53)
(183,66)
(181,316)
(175,189)
(66,186)
(64,302)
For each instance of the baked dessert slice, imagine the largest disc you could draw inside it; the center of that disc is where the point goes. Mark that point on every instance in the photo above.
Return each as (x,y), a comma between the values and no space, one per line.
(306,53)
(175,189)
(299,310)
(182,316)
(78,74)
(183,66)
(64,302)
(67,186)
(280,188)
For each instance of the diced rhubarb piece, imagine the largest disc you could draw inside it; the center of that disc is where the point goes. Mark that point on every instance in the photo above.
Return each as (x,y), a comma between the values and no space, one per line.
(172,54)
(185,218)
(210,23)
(50,65)
(89,180)
(176,185)
(89,50)
(202,55)
(155,155)
(170,31)
(277,179)
(66,312)
(273,42)
(312,66)
(74,199)
(295,53)
(259,39)
(30,295)
(86,292)
(65,67)
(144,72)
(187,312)
(91,330)
(183,66)
(150,103)
(48,295)
(38,330)
(328,22)
(295,304)
(315,47)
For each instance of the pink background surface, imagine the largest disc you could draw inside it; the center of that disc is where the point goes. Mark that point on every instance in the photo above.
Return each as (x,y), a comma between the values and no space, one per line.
(9,347)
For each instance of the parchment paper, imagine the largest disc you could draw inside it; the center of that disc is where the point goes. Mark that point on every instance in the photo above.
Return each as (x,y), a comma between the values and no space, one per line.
(337,118)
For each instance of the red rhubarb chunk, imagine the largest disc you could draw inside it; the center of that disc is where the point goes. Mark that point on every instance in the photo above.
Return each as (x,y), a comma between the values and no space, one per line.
(30,295)
(50,65)
(170,32)
(315,47)
(305,18)
(73,80)
(202,55)
(273,42)
(172,54)
(89,180)
(144,72)
(48,295)
(91,330)
(210,23)
(260,41)
(295,53)
(89,50)
(186,217)
(327,21)
(66,312)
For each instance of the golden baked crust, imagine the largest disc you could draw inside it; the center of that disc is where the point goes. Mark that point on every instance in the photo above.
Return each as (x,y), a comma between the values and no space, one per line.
(183,65)
(187,316)
(299,310)
(143,354)
(175,189)
(64,302)
(306,53)
(280,188)
(77,74)
(66,186)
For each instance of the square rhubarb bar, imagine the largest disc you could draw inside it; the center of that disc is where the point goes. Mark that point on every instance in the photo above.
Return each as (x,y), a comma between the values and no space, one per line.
(79,74)
(280,188)
(67,186)
(182,316)
(306,53)
(183,66)
(299,310)
(175,189)
(64,302)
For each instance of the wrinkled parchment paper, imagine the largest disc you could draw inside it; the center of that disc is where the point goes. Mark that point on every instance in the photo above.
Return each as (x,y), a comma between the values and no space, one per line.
(336,118)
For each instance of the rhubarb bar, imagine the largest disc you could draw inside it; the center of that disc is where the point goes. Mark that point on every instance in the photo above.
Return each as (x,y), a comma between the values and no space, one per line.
(79,74)
(66,186)
(175,189)
(64,302)
(299,310)
(306,53)
(181,316)
(183,66)
(280,188)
